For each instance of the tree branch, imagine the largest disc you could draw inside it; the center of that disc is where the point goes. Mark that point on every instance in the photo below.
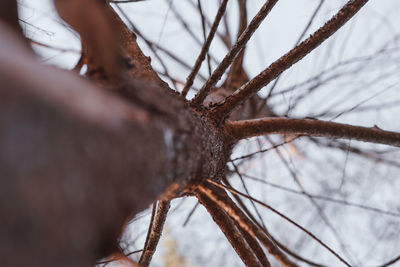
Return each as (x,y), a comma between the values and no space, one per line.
(204,49)
(233,191)
(241,42)
(96,30)
(221,198)
(290,58)
(155,233)
(250,128)
(230,230)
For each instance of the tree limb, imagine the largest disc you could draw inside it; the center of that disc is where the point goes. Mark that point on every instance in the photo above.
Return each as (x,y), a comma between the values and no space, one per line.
(241,42)
(155,233)
(290,58)
(205,48)
(92,21)
(230,230)
(219,197)
(250,128)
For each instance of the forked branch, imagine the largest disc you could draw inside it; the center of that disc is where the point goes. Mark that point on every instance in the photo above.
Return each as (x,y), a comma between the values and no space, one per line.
(290,58)
(311,127)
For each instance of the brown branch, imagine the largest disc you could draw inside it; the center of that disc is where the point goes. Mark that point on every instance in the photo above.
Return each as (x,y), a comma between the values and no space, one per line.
(150,228)
(155,47)
(224,37)
(281,215)
(236,71)
(97,30)
(250,128)
(203,26)
(249,238)
(303,33)
(229,229)
(155,234)
(205,48)
(236,48)
(222,199)
(262,227)
(290,58)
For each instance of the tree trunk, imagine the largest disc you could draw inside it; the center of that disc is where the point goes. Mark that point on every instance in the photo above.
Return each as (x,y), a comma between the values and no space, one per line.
(77,161)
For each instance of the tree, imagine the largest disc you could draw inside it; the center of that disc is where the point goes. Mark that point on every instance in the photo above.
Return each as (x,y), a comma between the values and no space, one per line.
(81,156)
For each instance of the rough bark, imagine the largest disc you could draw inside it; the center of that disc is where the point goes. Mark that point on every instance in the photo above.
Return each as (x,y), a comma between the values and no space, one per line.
(76,161)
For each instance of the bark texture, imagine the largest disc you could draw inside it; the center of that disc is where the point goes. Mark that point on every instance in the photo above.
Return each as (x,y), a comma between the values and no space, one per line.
(76,161)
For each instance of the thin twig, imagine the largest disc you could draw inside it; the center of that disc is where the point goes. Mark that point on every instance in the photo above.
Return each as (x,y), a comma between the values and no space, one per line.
(323,198)
(310,21)
(191,214)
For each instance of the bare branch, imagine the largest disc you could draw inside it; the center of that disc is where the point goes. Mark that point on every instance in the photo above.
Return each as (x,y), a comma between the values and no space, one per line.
(281,215)
(217,194)
(151,223)
(290,58)
(253,243)
(303,33)
(236,71)
(96,30)
(250,128)
(205,48)
(203,26)
(155,233)
(241,42)
(229,229)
